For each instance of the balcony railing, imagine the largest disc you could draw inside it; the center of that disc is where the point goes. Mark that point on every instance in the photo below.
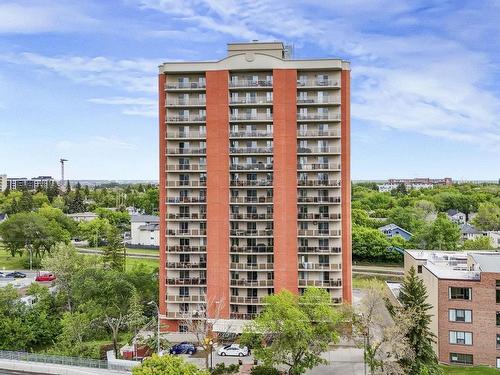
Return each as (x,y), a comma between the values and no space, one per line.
(320,249)
(318,166)
(186,200)
(319,116)
(251,249)
(263,182)
(187,119)
(319,266)
(185,151)
(186,249)
(186,167)
(242,316)
(314,216)
(186,265)
(251,167)
(247,300)
(318,133)
(317,83)
(257,100)
(251,199)
(192,183)
(318,232)
(190,298)
(251,150)
(193,216)
(186,232)
(184,103)
(328,183)
(251,266)
(251,216)
(184,85)
(194,315)
(327,100)
(243,282)
(318,150)
(257,233)
(186,135)
(246,83)
(318,199)
(323,283)
(187,281)
(255,134)
(248,117)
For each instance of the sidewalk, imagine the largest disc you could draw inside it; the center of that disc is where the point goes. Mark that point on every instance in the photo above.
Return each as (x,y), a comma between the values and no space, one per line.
(49,368)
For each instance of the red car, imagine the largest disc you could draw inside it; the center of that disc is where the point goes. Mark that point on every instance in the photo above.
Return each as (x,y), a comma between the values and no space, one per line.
(45,277)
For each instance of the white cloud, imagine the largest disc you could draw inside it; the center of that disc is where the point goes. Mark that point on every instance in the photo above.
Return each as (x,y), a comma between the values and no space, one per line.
(28,17)
(94,144)
(131,106)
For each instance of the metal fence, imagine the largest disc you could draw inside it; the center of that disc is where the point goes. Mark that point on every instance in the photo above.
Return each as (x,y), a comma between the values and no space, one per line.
(54,359)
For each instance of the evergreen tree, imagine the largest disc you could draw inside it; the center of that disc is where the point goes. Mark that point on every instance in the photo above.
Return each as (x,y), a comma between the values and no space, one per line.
(26,202)
(413,298)
(113,254)
(76,204)
(68,187)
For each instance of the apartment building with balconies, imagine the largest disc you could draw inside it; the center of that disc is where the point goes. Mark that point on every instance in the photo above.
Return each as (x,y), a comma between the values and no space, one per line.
(464,292)
(254,182)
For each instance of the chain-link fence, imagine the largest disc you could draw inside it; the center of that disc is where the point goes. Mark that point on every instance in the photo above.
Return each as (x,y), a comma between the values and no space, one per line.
(55,359)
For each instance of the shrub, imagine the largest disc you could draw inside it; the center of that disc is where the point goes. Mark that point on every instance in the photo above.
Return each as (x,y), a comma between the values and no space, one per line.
(264,370)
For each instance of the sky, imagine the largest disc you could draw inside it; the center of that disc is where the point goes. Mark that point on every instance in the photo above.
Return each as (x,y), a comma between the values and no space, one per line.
(78,79)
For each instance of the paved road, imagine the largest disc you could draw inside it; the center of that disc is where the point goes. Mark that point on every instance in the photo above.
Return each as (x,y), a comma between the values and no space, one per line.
(10,372)
(129,255)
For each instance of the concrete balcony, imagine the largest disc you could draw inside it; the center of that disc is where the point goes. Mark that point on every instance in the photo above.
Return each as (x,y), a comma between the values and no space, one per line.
(189,281)
(247,134)
(319,250)
(185,86)
(251,150)
(242,316)
(251,118)
(187,232)
(260,100)
(318,134)
(315,83)
(190,183)
(318,150)
(253,183)
(316,101)
(252,249)
(251,233)
(318,167)
(253,200)
(318,233)
(187,119)
(190,298)
(193,216)
(318,216)
(186,249)
(318,117)
(319,266)
(186,265)
(186,151)
(246,300)
(185,103)
(252,283)
(318,199)
(182,315)
(251,167)
(251,216)
(182,200)
(186,167)
(321,283)
(244,84)
(318,183)
(252,266)
(185,135)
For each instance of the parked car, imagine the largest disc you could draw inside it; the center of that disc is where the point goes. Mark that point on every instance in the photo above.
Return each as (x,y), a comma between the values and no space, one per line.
(234,350)
(183,348)
(16,275)
(45,277)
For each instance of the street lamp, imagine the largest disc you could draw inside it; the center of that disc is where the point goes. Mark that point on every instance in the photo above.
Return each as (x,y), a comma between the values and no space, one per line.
(157,326)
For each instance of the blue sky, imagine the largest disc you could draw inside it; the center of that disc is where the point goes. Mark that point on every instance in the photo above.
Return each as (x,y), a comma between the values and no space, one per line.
(78,79)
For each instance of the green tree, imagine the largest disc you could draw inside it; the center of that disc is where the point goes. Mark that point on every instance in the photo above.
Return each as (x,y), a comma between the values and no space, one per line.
(94,231)
(294,330)
(25,203)
(167,365)
(407,218)
(114,251)
(413,299)
(480,243)
(442,234)
(487,217)
(369,244)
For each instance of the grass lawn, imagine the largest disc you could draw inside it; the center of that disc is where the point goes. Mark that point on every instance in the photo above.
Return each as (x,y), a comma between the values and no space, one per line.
(7,262)
(152,264)
(457,370)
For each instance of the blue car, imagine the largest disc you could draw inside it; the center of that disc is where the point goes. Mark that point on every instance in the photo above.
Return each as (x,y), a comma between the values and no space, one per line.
(183,348)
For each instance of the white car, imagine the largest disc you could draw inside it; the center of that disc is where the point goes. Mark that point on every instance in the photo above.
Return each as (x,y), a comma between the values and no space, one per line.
(234,350)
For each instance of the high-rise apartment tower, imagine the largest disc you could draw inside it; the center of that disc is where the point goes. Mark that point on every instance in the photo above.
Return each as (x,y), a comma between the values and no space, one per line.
(254,182)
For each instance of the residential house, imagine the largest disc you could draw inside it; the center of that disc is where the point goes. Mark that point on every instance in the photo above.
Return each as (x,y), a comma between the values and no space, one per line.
(145,231)
(392,230)
(83,216)
(457,217)
(469,232)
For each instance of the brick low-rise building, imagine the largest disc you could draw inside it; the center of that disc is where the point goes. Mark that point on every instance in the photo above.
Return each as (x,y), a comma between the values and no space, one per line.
(464,290)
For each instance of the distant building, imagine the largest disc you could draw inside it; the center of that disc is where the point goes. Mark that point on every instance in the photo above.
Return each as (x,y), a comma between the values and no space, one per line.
(83,216)
(464,292)
(3,182)
(3,217)
(392,230)
(469,232)
(414,183)
(145,231)
(494,237)
(456,216)
(29,183)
